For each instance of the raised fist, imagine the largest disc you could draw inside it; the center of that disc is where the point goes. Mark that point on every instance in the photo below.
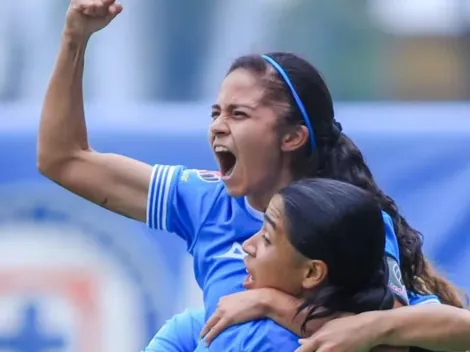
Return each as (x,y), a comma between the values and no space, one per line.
(84,17)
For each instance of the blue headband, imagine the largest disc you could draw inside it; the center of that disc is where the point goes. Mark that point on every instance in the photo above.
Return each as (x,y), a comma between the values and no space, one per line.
(297,99)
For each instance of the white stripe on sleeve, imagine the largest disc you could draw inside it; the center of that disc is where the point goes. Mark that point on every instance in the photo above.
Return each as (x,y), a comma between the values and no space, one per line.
(158,196)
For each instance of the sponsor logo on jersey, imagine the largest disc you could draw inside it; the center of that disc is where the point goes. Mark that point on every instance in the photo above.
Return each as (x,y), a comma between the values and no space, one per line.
(208,176)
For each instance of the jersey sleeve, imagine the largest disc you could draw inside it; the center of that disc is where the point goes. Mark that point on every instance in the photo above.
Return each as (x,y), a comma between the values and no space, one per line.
(395,281)
(391,243)
(392,253)
(179,334)
(417,299)
(179,200)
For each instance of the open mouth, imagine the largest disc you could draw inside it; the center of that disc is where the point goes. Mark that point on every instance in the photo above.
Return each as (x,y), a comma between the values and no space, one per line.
(226,159)
(249,282)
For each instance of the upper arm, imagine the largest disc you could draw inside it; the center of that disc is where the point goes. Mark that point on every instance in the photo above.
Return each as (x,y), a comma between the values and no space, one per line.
(112,181)
(179,200)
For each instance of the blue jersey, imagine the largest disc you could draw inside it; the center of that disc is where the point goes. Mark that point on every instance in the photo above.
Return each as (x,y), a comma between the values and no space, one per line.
(255,336)
(180,333)
(195,205)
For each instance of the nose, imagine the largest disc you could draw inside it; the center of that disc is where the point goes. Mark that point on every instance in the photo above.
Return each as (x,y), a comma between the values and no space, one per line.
(249,246)
(219,127)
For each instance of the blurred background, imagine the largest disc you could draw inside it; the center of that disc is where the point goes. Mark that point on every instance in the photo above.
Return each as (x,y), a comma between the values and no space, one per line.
(74,277)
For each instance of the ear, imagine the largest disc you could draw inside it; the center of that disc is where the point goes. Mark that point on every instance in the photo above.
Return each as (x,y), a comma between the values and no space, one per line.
(316,272)
(294,139)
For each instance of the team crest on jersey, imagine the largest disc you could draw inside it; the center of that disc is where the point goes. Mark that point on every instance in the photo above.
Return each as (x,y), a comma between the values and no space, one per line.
(69,284)
(208,176)
(395,281)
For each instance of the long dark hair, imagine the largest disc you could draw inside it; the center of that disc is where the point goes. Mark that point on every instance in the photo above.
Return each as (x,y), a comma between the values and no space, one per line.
(335,156)
(341,225)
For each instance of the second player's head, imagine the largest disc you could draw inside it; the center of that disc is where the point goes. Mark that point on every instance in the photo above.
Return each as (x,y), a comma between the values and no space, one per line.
(322,240)
(272,115)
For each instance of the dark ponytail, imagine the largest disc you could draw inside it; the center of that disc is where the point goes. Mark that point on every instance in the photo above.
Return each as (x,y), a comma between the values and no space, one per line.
(344,161)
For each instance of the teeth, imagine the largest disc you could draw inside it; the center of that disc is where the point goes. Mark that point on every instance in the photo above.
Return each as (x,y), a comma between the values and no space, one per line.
(220,149)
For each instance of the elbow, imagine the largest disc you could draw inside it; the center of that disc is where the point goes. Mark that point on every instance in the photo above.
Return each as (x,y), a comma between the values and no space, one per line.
(52,165)
(46,157)
(46,164)
(43,161)
(52,160)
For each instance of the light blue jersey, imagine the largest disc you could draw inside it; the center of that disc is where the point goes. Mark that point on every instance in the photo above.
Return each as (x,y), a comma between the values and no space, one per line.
(195,205)
(254,336)
(180,333)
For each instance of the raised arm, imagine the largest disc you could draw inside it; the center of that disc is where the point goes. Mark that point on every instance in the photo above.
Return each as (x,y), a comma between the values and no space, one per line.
(64,155)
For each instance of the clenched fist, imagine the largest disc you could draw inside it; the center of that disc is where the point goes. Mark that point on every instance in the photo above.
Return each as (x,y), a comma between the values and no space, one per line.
(84,17)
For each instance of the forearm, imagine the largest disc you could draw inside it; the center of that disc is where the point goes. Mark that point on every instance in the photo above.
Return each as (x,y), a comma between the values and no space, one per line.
(62,128)
(282,308)
(434,327)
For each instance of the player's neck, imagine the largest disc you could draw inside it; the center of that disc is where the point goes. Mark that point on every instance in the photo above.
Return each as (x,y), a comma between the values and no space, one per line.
(260,200)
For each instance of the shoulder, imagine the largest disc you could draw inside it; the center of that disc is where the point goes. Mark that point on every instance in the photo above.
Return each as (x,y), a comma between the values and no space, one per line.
(392,248)
(191,317)
(180,199)
(417,299)
(202,182)
(180,333)
(168,175)
(203,177)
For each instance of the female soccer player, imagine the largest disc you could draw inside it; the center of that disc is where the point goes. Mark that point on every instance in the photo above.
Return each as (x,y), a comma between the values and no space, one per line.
(322,241)
(272,123)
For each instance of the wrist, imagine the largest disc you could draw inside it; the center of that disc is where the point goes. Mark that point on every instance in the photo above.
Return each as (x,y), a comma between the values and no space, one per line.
(266,302)
(74,39)
(381,326)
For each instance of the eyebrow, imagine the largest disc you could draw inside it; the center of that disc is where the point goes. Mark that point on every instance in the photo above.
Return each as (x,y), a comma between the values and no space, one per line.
(232,106)
(270,221)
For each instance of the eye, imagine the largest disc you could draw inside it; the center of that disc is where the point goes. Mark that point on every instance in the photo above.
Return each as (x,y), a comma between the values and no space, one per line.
(215,114)
(266,240)
(239,114)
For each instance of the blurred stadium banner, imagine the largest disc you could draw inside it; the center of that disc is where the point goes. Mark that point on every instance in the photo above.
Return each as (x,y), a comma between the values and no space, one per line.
(75,277)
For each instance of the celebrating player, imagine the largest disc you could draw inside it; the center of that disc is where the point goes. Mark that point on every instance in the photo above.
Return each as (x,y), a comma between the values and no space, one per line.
(273,123)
